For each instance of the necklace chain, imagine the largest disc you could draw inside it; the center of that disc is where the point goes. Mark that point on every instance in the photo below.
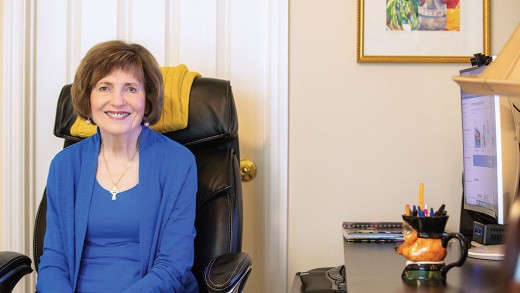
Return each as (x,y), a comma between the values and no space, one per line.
(114,191)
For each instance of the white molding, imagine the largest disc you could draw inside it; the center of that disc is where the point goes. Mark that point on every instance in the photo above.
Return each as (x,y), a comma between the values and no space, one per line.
(172,37)
(124,20)
(33,195)
(223,52)
(73,37)
(13,124)
(276,156)
(17,130)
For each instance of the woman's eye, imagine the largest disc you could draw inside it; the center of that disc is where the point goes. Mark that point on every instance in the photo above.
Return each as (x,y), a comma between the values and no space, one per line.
(131,89)
(104,88)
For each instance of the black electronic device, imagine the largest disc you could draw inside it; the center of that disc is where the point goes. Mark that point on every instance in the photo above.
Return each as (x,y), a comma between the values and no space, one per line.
(488,234)
(324,280)
(480,59)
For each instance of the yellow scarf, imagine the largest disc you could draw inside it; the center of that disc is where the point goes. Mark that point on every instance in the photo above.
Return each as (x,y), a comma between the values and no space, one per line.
(177,87)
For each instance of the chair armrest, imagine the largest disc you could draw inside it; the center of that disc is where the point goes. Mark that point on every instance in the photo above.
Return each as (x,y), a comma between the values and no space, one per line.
(13,266)
(228,272)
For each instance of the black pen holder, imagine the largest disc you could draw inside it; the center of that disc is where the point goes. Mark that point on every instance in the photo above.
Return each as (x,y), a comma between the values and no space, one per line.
(428,227)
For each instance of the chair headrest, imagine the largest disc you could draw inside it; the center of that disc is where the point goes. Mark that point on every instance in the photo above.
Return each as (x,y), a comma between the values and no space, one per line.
(212,115)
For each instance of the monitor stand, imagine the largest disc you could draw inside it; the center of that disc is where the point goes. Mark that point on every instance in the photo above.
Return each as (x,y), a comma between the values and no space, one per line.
(490,252)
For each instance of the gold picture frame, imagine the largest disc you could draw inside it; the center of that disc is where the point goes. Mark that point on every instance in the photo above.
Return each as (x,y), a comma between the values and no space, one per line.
(378,44)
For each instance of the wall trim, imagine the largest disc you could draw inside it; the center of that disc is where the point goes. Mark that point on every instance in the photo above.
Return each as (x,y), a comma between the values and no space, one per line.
(124,18)
(223,58)
(172,34)
(73,37)
(276,154)
(17,130)
(13,124)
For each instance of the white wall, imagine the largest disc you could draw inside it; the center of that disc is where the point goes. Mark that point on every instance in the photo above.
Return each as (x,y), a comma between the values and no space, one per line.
(363,136)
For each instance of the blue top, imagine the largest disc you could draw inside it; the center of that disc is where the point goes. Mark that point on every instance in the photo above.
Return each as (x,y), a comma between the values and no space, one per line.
(167,200)
(111,260)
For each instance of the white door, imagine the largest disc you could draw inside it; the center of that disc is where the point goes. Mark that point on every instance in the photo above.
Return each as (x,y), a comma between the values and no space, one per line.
(245,43)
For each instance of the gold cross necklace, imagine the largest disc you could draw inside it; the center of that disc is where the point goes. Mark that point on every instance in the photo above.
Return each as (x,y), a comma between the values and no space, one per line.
(114,191)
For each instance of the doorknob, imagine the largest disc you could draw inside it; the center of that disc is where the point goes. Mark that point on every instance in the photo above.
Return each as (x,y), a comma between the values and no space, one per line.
(247,170)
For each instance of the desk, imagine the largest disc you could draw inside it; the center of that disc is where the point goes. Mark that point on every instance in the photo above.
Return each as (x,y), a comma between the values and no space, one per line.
(376,267)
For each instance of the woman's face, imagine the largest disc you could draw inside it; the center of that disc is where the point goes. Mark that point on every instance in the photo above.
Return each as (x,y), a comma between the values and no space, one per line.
(118,103)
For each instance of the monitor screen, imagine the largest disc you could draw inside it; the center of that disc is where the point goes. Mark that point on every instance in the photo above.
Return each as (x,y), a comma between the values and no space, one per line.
(490,150)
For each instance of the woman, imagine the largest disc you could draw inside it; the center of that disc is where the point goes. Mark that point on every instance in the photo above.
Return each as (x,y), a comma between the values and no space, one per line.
(121,203)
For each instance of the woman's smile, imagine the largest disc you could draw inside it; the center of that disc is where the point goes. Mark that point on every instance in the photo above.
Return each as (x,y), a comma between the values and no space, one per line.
(118,115)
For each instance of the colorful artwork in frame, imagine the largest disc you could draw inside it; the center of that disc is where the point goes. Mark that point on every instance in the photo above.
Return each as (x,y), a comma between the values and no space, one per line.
(429,31)
(426,15)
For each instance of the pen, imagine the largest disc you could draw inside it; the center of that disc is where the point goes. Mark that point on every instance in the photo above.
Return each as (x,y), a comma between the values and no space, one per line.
(440,210)
(432,213)
(421,196)
(407,209)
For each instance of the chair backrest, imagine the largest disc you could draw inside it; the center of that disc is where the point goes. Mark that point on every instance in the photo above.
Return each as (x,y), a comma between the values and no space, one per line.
(212,136)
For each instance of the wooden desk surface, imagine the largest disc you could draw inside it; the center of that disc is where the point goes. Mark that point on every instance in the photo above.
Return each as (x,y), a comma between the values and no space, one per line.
(376,267)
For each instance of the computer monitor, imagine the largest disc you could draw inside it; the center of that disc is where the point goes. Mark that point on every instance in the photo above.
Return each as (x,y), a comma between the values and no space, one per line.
(491,166)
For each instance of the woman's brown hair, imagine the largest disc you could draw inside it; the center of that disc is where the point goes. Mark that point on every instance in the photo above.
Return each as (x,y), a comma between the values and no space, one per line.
(108,56)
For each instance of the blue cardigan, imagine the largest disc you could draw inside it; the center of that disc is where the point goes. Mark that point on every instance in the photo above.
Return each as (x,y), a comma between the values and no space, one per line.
(167,190)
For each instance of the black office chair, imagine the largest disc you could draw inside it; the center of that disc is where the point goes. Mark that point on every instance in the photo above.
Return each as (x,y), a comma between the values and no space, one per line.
(212,135)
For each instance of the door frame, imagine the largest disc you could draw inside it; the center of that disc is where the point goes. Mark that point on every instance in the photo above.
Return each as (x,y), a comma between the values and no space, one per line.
(277,156)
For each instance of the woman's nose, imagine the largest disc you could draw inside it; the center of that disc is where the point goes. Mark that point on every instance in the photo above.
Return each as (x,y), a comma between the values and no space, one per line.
(118,98)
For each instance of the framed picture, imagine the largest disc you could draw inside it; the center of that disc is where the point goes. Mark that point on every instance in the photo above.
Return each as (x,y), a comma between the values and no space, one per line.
(426,31)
